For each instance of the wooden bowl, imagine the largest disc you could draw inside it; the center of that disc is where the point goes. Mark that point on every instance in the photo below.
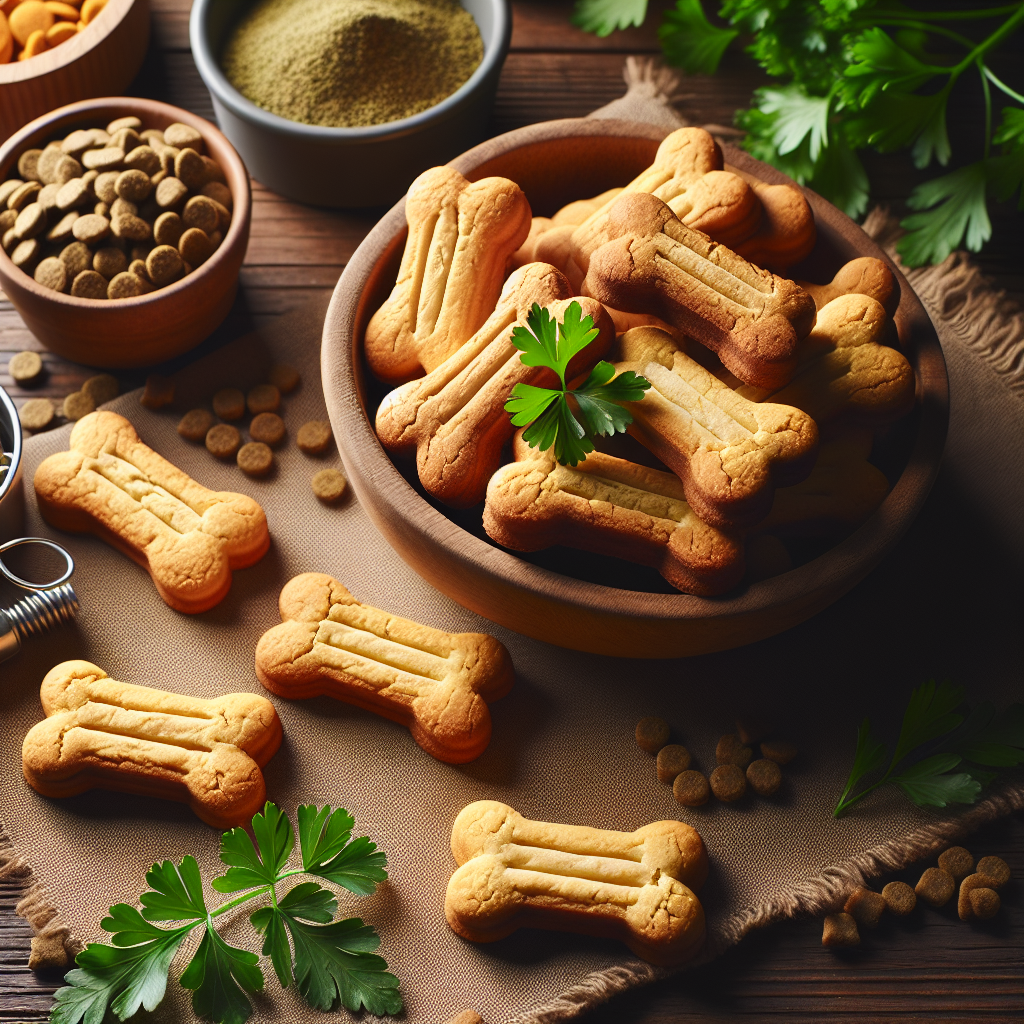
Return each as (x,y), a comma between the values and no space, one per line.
(100,61)
(124,333)
(556,162)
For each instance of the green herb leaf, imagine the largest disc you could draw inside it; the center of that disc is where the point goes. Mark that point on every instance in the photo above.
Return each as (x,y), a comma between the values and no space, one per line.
(310,901)
(329,851)
(602,17)
(323,833)
(529,403)
(690,41)
(869,757)
(600,395)
(992,739)
(895,120)
(217,975)
(559,430)
(176,893)
(358,867)
(929,715)
(883,65)
(796,116)
(250,867)
(547,343)
(928,785)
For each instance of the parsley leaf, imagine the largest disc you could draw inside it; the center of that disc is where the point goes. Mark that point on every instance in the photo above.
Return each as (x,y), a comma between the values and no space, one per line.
(218,974)
(547,343)
(327,851)
(690,41)
(796,116)
(528,403)
(176,893)
(928,786)
(600,396)
(308,900)
(931,713)
(557,428)
(882,64)
(248,866)
(602,17)
(868,757)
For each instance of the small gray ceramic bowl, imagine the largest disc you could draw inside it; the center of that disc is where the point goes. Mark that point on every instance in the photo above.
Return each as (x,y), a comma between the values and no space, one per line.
(348,167)
(12,496)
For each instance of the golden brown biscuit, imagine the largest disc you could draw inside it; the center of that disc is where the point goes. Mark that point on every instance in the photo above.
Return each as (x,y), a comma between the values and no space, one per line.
(437,684)
(102,733)
(461,238)
(634,886)
(188,538)
(786,233)
(613,507)
(454,419)
(752,319)
(865,275)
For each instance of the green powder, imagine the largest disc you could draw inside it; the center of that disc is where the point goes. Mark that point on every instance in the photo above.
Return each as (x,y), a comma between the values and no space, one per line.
(347,63)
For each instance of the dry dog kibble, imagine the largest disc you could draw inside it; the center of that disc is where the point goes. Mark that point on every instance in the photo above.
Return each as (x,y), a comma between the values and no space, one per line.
(195,246)
(201,212)
(329,485)
(899,898)
(764,776)
(62,230)
(673,760)
(223,440)
(284,377)
(25,368)
(651,733)
(133,186)
(102,388)
(865,906)
(263,398)
(195,425)
(691,789)
(183,136)
(959,862)
(840,930)
(89,285)
(126,286)
(728,782)
(190,169)
(30,221)
(164,265)
(314,437)
(995,868)
(170,192)
(255,459)
(78,405)
(109,261)
(90,228)
(159,391)
(778,751)
(984,902)
(26,254)
(229,404)
(51,273)
(467,1017)
(37,414)
(967,886)
(731,751)
(267,427)
(167,229)
(935,887)
(219,193)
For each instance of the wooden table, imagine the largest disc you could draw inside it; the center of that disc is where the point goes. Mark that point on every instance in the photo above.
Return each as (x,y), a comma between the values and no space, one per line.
(932,968)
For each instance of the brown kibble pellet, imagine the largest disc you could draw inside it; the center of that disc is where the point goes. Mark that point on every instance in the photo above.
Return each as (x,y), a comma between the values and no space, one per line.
(840,930)
(123,208)
(143,158)
(190,169)
(985,902)
(201,212)
(194,246)
(8,218)
(47,198)
(124,138)
(764,776)
(133,186)
(76,257)
(651,733)
(126,286)
(37,414)
(214,171)
(170,192)
(466,1017)
(89,285)
(967,886)
(159,391)
(267,427)
(196,424)
(691,789)
(104,184)
(750,730)
(218,192)
(164,265)
(167,229)
(263,398)
(935,887)
(8,188)
(229,404)
(778,751)
(865,906)
(66,168)
(72,194)
(128,226)
(128,121)
(995,868)
(30,221)
(329,485)
(25,368)
(51,273)
(223,440)
(102,388)
(23,195)
(183,136)
(958,861)
(284,377)
(673,759)
(315,437)
(26,254)
(899,898)
(78,405)
(109,261)
(731,751)
(255,458)
(91,228)
(728,782)
(28,162)
(105,159)
(62,230)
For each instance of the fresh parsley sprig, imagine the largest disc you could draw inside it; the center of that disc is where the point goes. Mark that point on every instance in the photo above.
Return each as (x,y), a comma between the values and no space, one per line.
(938,736)
(329,961)
(552,423)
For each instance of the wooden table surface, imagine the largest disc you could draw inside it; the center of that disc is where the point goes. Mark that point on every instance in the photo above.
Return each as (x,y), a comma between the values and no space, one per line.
(933,967)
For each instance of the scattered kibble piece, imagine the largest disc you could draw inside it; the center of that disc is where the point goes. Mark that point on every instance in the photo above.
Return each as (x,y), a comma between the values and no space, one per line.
(284,377)
(984,902)
(267,427)
(936,887)
(731,751)
(102,388)
(255,459)
(691,789)
(467,1017)
(958,861)
(263,398)
(329,485)
(159,391)
(995,868)
(967,886)
(37,414)
(229,404)
(672,760)
(77,405)
(25,368)
(840,930)
(223,440)
(865,906)
(899,898)
(778,751)
(314,437)
(751,730)
(764,776)
(196,424)
(651,733)
(728,782)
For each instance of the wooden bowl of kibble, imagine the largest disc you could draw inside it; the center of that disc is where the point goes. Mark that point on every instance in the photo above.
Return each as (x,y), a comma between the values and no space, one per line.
(570,598)
(142,329)
(100,60)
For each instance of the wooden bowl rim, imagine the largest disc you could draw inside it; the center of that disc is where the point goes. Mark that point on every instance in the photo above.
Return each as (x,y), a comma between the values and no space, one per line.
(851,559)
(120,106)
(67,53)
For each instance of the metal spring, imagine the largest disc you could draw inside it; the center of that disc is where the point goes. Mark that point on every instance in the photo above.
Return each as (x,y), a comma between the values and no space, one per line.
(43,610)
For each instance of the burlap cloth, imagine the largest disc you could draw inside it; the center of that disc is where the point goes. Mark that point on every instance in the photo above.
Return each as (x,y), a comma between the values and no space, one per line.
(944,604)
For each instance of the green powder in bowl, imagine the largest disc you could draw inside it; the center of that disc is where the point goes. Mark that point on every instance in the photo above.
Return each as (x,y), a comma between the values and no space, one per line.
(351,63)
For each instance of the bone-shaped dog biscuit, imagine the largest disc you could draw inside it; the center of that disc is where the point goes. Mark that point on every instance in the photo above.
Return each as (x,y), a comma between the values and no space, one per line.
(613,507)
(865,275)
(751,318)
(435,683)
(101,733)
(454,418)
(188,538)
(730,453)
(635,886)
(461,237)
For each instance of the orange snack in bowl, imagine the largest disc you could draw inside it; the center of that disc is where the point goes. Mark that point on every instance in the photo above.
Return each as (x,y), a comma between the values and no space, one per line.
(90,9)
(36,45)
(28,18)
(61,32)
(62,10)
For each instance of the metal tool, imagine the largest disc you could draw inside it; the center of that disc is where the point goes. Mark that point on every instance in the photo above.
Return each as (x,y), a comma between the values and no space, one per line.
(47,605)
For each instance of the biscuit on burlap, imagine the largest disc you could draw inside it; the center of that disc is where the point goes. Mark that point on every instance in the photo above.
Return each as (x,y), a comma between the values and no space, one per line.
(613,507)
(461,238)
(635,886)
(454,418)
(752,319)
